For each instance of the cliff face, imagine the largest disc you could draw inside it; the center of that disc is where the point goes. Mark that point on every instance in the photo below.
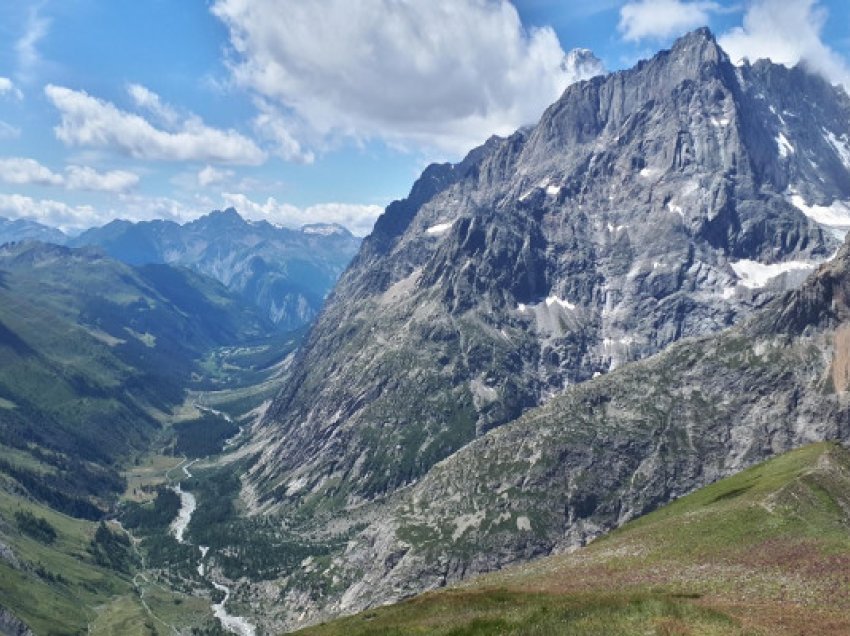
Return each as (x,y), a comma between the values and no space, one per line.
(611,449)
(662,202)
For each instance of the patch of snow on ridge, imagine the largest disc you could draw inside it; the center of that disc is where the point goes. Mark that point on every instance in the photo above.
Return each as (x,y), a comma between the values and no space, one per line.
(439,228)
(785,147)
(836,214)
(840,146)
(754,275)
(553,300)
(553,190)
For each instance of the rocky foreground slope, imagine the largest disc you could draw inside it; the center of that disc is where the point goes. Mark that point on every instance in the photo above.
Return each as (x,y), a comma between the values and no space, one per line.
(762,552)
(657,203)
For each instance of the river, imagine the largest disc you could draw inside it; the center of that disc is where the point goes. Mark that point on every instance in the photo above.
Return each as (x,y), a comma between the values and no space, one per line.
(234,624)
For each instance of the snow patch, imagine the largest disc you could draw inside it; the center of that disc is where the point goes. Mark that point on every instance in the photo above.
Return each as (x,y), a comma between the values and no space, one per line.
(836,214)
(840,146)
(554,300)
(649,173)
(523,523)
(553,190)
(754,275)
(722,122)
(439,228)
(785,147)
(676,209)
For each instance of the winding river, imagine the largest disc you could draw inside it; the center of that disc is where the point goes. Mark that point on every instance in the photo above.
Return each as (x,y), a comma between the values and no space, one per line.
(234,624)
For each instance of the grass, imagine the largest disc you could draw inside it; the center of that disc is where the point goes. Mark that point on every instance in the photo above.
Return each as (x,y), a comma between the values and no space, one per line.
(764,552)
(143,479)
(53,587)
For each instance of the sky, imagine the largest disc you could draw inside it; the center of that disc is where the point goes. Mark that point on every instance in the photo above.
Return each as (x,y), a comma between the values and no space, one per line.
(303,111)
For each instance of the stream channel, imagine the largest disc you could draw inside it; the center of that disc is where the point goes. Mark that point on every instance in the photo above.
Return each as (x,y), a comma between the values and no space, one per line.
(234,624)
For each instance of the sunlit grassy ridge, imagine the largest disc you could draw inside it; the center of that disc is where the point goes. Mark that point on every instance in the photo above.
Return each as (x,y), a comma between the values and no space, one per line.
(766,551)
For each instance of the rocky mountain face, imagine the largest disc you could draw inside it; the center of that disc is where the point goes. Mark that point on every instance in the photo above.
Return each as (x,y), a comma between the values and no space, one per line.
(609,450)
(286,273)
(663,202)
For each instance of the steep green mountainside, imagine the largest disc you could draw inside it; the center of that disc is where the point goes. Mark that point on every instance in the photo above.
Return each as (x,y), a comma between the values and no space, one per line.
(96,358)
(762,552)
(92,354)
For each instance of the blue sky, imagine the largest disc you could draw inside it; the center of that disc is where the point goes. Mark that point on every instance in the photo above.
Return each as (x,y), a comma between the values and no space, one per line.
(299,111)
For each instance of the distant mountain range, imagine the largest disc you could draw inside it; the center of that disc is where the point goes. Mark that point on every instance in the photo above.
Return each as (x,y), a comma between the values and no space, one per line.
(286,273)
(26,230)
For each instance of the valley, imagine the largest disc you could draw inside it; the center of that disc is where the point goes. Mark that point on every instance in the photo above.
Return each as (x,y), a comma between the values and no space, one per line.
(591,379)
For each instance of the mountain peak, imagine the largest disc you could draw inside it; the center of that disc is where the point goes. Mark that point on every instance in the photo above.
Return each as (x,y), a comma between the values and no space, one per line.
(580,64)
(699,44)
(228,214)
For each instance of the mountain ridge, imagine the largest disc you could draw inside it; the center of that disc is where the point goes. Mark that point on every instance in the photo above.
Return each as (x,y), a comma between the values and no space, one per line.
(634,214)
(285,272)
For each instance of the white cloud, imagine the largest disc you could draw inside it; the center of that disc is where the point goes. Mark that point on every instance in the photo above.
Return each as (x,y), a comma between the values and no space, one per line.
(85,178)
(148,100)
(445,73)
(210,176)
(8,87)
(663,18)
(359,219)
(50,212)
(89,121)
(26,47)
(72,218)
(786,31)
(23,171)
(271,125)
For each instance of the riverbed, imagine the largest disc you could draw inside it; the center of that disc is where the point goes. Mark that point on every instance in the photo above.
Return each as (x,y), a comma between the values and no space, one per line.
(188,504)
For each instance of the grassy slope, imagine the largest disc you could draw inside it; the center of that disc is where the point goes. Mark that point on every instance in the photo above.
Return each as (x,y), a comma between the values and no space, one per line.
(93,355)
(764,552)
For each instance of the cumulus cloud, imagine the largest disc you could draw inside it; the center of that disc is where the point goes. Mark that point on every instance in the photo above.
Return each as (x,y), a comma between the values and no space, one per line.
(49,212)
(272,126)
(787,32)
(359,219)
(663,18)
(21,171)
(208,176)
(24,171)
(85,178)
(146,99)
(7,87)
(89,121)
(445,73)
(73,218)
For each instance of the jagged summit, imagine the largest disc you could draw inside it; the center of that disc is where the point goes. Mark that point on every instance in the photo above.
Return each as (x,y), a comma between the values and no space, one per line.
(661,202)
